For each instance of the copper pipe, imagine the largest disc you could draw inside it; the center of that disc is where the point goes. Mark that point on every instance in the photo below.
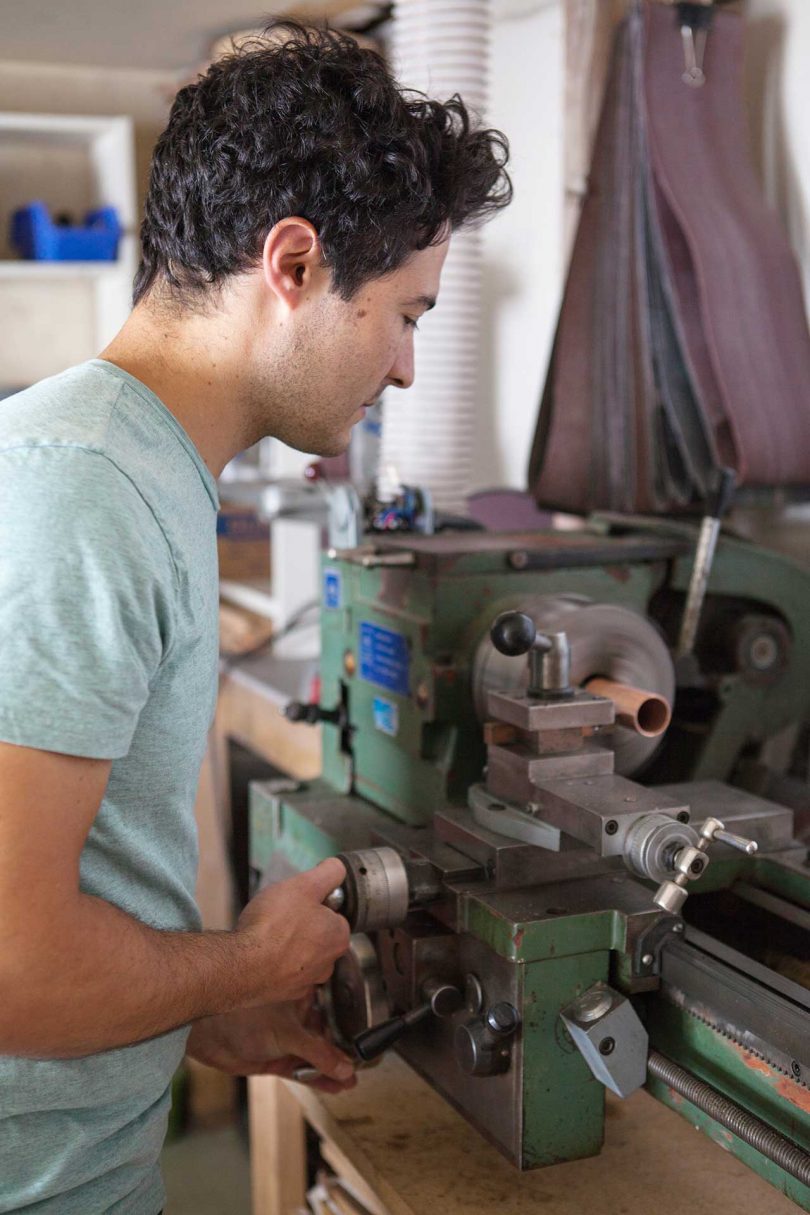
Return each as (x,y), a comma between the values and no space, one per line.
(645,712)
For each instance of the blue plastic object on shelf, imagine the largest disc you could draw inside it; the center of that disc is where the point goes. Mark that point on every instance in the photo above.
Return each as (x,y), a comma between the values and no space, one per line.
(36,237)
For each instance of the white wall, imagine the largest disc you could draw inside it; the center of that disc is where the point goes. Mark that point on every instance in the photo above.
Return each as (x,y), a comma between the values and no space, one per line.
(523,246)
(777,87)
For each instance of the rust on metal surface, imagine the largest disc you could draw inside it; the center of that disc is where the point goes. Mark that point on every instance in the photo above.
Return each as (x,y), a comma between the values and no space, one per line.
(499,733)
(794,1093)
(754,1062)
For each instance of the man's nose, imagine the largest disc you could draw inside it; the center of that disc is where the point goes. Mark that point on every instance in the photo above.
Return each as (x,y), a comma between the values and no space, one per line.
(401,372)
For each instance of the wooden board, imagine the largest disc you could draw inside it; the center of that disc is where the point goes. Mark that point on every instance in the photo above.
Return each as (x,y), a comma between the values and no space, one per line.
(277,1149)
(421,1158)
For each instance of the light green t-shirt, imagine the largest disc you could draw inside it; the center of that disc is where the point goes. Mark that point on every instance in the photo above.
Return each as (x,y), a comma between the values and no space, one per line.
(108,648)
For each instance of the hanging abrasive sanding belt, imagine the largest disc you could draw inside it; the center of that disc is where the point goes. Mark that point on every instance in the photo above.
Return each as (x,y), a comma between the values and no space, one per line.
(682,344)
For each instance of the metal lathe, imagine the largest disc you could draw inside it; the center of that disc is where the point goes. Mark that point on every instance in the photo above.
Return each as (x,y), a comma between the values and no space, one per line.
(572,863)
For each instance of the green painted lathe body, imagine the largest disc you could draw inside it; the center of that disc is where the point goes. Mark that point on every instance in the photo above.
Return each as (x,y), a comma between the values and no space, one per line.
(406,670)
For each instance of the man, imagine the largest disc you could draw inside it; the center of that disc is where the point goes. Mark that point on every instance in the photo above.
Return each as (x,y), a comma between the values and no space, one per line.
(297,219)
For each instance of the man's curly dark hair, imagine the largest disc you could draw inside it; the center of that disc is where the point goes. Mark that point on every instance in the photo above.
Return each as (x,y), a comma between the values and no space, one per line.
(305,122)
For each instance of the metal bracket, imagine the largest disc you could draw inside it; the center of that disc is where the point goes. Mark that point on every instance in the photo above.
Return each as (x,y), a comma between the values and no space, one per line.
(505,819)
(607,1031)
(646,955)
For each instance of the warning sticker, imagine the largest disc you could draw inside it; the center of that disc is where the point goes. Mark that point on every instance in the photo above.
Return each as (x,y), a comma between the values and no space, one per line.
(385,658)
(386,716)
(332,588)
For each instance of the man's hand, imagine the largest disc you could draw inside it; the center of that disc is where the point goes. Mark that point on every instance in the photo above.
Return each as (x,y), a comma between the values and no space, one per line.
(292,940)
(270,1041)
(78,975)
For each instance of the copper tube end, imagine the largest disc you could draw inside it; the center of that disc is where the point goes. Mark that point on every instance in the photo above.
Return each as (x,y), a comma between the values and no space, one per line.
(645,712)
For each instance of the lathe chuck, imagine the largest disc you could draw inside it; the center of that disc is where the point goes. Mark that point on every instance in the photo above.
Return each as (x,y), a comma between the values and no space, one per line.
(376,889)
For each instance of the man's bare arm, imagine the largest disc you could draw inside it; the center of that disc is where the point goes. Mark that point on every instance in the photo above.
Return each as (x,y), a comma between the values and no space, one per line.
(78,975)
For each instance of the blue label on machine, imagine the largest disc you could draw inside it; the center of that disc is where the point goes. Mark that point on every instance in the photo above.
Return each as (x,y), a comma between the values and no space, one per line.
(386,716)
(385,658)
(332,588)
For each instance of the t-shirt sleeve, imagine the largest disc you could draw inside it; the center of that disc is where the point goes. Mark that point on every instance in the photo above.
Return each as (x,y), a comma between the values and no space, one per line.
(87,600)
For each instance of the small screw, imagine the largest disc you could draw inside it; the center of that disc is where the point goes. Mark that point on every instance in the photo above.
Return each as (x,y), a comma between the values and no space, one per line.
(606,1046)
(683,817)
(647,959)
(519,560)
(796,1069)
(696,867)
(611,827)
(677,927)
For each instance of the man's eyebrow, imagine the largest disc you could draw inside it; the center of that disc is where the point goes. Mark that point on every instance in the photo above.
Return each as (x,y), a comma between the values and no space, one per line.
(421,301)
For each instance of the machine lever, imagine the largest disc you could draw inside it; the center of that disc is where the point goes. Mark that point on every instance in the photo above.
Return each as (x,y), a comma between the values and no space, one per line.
(372,1042)
(336,900)
(736,841)
(690,863)
(515,633)
(441,999)
(716,508)
(312,713)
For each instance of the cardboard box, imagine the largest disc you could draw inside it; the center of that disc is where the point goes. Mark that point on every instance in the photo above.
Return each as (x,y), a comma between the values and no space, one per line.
(243,544)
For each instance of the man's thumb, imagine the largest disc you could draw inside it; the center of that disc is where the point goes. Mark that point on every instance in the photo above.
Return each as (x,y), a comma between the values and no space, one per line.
(324,878)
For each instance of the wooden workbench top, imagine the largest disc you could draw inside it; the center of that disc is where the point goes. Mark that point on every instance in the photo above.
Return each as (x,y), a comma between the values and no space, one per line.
(421,1158)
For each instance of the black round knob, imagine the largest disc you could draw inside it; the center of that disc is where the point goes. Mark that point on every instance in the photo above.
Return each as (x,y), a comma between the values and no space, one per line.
(513,633)
(503,1019)
(312,713)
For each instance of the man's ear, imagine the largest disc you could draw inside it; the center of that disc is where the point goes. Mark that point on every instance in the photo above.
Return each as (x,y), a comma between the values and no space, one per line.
(291,260)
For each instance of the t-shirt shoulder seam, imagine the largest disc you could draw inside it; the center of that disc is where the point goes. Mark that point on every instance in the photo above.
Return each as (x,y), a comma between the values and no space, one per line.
(96,451)
(133,384)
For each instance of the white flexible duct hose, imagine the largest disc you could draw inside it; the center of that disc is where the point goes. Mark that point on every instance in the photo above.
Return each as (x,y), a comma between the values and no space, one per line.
(441,47)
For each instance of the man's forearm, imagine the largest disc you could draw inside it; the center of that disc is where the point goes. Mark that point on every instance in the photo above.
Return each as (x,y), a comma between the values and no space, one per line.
(100,979)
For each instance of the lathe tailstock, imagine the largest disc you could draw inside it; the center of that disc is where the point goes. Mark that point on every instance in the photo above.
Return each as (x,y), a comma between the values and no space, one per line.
(553,888)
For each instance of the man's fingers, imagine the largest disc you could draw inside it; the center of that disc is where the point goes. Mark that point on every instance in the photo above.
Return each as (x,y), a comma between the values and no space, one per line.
(324,1056)
(324,1085)
(319,978)
(325,877)
(288,1066)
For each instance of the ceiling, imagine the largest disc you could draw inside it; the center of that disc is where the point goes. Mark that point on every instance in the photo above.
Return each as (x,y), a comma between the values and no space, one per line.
(169,35)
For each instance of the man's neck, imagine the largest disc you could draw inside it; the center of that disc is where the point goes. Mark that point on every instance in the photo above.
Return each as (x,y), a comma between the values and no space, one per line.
(195,371)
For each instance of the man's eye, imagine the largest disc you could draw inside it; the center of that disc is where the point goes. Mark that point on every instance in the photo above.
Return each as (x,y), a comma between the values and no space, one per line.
(409,320)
